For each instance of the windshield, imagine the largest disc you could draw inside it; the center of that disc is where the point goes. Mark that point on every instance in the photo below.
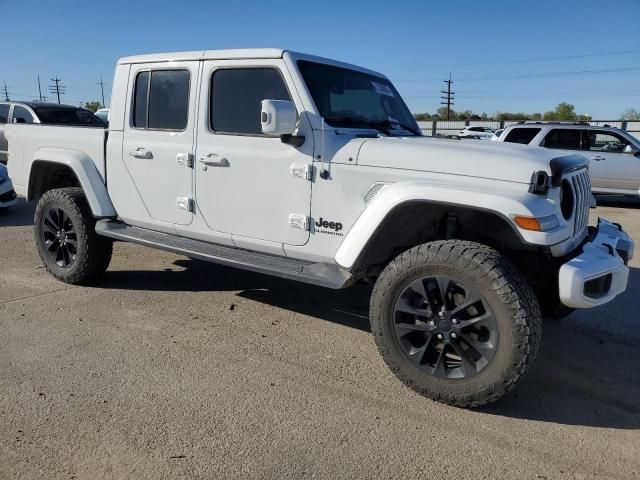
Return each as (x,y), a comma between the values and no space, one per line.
(348,98)
(67,116)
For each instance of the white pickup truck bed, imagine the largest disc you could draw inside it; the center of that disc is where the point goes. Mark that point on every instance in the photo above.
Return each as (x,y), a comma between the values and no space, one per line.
(28,142)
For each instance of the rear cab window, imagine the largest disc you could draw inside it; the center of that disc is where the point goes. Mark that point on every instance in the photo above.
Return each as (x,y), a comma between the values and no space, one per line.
(523,135)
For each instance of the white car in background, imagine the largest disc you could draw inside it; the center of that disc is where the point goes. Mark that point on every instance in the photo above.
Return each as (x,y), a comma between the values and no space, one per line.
(483,133)
(7,194)
(496,135)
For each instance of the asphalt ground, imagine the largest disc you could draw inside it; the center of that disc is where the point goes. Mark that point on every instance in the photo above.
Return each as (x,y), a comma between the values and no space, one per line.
(175,368)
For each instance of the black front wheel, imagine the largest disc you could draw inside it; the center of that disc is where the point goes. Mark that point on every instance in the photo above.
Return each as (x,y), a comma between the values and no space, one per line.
(456,322)
(64,231)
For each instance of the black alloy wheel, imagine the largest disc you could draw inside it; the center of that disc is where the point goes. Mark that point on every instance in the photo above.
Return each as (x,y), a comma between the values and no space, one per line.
(60,237)
(445,327)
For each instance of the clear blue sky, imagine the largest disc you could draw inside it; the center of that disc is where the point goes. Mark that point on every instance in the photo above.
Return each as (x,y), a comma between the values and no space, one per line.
(486,45)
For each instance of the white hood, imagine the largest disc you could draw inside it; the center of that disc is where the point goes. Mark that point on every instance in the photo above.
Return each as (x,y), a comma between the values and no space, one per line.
(476,158)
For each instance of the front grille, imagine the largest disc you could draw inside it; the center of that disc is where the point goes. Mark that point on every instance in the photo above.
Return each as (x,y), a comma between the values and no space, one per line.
(582,193)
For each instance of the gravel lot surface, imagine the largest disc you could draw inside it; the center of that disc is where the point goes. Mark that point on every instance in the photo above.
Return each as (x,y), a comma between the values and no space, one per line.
(174,368)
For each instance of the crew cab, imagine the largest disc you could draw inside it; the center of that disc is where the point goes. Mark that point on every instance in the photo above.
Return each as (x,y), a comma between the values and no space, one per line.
(315,170)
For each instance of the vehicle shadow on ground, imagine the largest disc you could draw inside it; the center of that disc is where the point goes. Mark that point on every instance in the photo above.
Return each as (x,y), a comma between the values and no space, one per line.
(19,215)
(617,201)
(578,379)
(347,307)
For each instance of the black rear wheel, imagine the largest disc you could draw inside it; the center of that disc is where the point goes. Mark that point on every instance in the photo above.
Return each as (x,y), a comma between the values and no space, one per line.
(64,231)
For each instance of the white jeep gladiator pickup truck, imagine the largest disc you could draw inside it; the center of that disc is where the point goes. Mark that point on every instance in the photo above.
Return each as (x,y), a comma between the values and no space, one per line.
(315,170)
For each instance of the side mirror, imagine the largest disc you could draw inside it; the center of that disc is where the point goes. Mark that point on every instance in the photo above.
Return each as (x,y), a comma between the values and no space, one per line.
(278,117)
(630,149)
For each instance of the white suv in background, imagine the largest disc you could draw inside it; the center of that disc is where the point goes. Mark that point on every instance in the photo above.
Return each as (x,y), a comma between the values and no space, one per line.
(483,133)
(614,155)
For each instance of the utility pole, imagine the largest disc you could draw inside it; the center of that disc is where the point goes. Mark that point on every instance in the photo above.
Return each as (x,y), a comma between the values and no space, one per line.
(57,88)
(449,96)
(6,92)
(101,83)
(39,89)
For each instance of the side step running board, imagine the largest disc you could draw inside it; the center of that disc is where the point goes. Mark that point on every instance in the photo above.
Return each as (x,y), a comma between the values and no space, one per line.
(322,274)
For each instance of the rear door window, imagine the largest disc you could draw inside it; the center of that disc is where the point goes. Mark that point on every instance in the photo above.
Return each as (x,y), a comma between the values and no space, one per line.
(161,100)
(522,135)
(563,139)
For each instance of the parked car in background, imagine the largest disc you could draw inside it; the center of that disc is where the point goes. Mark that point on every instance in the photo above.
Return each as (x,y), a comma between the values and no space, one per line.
(614,155)
(7,194)
(483,133)
(39,112)
(103,114)
(496,135)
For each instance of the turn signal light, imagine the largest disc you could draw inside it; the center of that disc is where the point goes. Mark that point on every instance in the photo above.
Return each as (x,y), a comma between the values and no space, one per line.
(528,223)
(537,224)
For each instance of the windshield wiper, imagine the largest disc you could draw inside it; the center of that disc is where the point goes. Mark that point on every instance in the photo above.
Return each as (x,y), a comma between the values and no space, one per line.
(354,121)
(401,125)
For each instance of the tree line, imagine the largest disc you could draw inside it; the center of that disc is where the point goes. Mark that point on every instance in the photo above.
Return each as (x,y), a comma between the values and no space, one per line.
(563,111)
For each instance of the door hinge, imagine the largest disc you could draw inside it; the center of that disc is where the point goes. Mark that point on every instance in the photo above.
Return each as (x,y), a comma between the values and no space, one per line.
(299,221)
(185,203)
(185,159)
(302,171)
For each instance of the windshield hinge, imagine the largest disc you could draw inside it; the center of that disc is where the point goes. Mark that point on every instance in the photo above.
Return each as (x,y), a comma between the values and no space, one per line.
(185,203)
(299,221)
(185,159)
(302,171)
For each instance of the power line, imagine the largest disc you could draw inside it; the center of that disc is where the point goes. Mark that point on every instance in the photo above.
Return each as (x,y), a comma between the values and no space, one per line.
(534,75)
(550,94)
(449,97)
(545,59)
(57,88)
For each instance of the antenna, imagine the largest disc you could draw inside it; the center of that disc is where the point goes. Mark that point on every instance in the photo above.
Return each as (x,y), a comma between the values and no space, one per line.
(5,92)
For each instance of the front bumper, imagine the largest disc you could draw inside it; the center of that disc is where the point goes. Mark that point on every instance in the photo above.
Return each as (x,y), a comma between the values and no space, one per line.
(7,194)
(600,273)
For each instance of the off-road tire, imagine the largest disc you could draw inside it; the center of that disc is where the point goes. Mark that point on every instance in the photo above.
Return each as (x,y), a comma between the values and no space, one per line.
(93,253)
(509,296)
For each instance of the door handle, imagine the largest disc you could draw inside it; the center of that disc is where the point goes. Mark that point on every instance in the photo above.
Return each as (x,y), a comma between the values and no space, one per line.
(213,160)
(597,158)
(141,152)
